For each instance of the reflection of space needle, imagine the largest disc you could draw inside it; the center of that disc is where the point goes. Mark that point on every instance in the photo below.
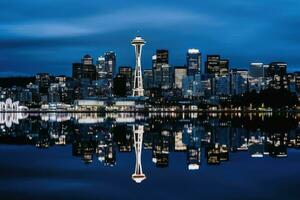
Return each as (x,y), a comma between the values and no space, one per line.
(138,131)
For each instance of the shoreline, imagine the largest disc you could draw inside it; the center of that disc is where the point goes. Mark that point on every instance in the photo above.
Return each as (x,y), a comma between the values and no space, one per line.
(164,111)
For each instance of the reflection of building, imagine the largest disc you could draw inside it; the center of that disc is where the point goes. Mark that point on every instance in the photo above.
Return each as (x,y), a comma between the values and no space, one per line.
(12,118)
(213,154)
(161,149)
(138,132)
(193,147)
(278,147)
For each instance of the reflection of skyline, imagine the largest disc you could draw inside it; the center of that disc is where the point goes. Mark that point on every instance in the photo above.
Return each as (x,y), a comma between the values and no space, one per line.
(206,140)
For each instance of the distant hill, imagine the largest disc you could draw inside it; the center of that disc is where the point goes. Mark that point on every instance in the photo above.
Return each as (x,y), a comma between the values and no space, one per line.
(15,81)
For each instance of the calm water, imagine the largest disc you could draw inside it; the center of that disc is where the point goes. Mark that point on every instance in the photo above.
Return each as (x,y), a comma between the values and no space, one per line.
(153,156)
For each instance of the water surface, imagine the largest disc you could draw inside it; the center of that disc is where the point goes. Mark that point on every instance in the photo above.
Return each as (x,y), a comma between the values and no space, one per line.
(173,156)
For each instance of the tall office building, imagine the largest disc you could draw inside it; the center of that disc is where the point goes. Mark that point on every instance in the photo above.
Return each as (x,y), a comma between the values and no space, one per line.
(87,60)
(179,74)
(88,68)
(221,85)
(110,64)
(162,56)
(223,67)
(166,78)
(297,82)
(43,80)
(100,68)
(76,71)
(277,68)
(256,70)
(278,72)
(84,70)
(148,79)
(153,61)
(238,81)
(126,72)
(193,59)
(212,65)
(158,60)
(120,87)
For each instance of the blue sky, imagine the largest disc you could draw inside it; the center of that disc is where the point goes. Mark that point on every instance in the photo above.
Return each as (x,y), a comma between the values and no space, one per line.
(48,35)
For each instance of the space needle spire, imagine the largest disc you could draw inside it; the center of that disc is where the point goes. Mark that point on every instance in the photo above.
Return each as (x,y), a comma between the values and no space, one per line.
(138,90)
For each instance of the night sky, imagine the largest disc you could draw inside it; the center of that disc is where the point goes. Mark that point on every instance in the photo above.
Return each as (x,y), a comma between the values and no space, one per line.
(48,35)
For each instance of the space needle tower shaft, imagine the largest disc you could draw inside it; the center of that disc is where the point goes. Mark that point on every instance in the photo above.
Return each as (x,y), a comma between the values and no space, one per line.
(138,90)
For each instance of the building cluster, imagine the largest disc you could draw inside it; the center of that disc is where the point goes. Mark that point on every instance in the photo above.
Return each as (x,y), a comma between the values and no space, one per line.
(211,81)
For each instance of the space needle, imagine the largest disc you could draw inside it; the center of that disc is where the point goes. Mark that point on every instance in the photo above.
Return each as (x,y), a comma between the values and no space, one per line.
(138,90)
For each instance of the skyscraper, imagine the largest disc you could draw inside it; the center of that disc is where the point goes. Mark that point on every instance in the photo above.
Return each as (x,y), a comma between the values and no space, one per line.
(162,56)
(76,71)
(158,60)
(277,71)
(110,64)
(120,85)
(223,67)
(126,72)
(166,78)
(100,68)
(148,79)
(193,59)
(84,70)
(43,80)
(277,68)
(87,60)
(212,65)
(256,70)
(179,74)
(138,89)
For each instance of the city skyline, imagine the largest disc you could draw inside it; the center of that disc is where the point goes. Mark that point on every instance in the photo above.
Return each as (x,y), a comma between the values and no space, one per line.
(114,99)
(46,42)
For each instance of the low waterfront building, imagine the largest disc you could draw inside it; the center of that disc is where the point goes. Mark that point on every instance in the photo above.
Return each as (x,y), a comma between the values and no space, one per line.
(88,105)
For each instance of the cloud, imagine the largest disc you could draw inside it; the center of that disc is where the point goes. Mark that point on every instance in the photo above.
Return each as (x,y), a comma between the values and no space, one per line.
(45,30)
(106,23)
(46,35)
